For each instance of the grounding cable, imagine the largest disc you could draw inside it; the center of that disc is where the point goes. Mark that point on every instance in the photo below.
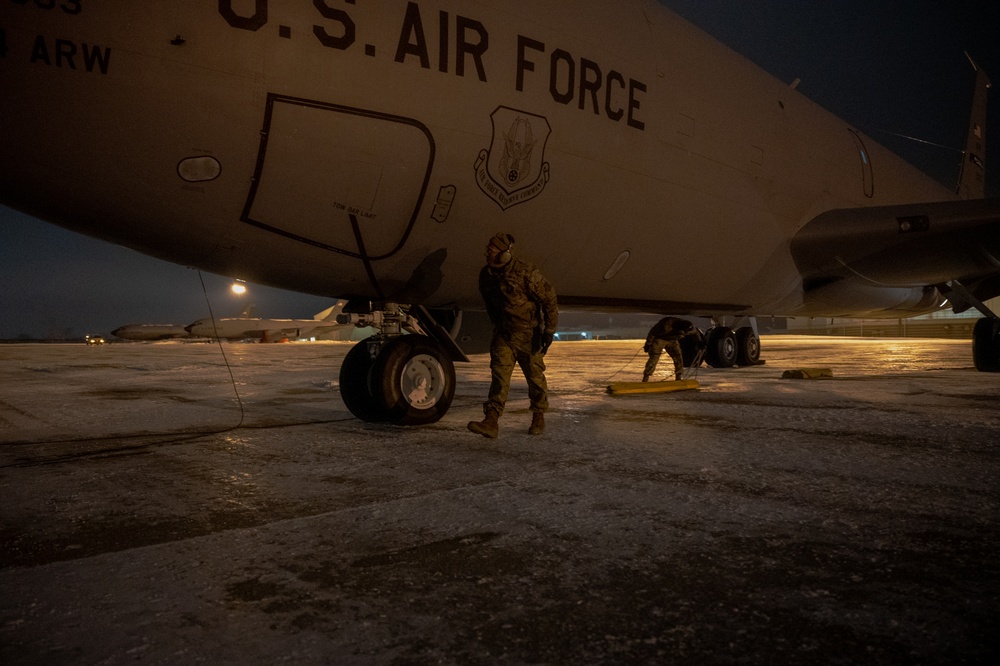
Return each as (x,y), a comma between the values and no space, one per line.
(174,437)
(218,340)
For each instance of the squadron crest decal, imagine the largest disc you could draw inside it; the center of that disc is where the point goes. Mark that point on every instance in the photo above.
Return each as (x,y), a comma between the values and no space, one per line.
(513,169)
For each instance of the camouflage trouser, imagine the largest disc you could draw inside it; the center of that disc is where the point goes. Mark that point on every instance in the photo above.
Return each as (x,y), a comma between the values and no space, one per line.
(672,347)
(503,356)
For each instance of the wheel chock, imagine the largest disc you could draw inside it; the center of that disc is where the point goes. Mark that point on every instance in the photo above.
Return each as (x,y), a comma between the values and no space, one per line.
(808,373)
(636,388)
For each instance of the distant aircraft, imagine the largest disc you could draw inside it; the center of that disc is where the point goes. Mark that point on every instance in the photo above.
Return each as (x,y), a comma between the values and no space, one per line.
(267,330)
(153,332)
(148,332)
(368,150)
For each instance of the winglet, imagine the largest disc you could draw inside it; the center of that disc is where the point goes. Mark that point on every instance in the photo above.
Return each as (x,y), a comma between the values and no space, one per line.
(972,178)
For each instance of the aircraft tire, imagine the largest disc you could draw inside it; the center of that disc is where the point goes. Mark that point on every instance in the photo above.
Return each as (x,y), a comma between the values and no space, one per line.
(986,345)
(413,379)
(721,350)
(747,347)
(355,388)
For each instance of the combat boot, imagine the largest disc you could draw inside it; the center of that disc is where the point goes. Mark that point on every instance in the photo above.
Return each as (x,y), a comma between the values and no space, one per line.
(537,424)
(489,427)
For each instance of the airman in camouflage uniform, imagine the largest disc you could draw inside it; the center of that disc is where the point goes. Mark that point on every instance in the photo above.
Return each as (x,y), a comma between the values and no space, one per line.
(666,336)
(522,307)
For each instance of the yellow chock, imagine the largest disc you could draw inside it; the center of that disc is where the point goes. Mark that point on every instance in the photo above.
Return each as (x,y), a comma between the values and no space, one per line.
(635,388)
(808,373)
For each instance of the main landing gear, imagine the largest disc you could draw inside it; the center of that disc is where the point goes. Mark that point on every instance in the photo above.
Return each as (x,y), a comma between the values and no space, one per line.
(392,377)
(725,347)
(986,344)
(986,334)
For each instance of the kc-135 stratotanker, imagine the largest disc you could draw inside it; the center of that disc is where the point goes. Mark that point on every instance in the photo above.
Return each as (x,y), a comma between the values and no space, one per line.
(368,150)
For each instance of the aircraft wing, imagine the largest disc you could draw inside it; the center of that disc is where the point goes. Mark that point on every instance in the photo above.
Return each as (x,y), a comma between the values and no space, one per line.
(912,245)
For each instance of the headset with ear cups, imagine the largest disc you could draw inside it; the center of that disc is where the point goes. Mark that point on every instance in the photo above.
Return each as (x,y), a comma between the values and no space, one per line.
(503,244)
(505,256)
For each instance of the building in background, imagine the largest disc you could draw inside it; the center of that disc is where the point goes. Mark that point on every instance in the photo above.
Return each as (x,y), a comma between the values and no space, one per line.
(632,326)
(944,324)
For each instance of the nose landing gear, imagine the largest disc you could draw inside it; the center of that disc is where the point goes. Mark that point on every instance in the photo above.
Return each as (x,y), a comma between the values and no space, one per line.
(412,380)
(399,378)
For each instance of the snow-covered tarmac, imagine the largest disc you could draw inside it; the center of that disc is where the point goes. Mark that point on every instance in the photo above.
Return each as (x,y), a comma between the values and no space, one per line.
(852,520)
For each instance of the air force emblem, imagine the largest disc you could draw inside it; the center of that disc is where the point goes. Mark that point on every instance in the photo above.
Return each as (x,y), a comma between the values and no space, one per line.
(512,170)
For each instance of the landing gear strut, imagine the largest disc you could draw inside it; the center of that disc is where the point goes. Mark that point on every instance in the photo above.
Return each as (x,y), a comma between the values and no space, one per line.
(397,378)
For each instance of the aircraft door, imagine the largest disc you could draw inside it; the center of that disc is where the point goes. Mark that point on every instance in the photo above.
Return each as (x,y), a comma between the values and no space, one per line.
(343,179)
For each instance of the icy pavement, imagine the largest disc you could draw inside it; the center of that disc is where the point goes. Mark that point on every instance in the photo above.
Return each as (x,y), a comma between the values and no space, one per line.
(851,520)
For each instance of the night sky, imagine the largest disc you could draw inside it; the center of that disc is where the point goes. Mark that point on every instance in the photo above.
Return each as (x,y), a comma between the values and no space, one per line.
(890,68)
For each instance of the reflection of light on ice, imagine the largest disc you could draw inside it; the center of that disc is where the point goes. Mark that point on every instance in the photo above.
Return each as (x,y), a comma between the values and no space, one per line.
(717,384)
(754,492)
(68,391)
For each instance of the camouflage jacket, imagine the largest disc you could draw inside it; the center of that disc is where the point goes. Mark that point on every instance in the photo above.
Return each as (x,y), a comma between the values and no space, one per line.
(520,303)
(670,328)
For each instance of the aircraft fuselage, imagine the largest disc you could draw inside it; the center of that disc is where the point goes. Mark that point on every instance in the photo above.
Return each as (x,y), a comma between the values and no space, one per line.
(371,148)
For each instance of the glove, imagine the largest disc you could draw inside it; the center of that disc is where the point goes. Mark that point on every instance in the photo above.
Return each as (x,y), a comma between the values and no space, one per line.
(646,347)
(546,341)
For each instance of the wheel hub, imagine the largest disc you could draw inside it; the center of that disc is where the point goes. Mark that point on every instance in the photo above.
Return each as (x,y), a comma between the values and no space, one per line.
(423,381)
